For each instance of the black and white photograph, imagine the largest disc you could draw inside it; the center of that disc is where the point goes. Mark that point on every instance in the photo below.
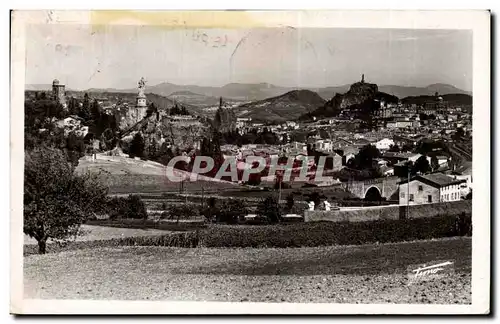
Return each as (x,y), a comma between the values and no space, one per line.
(272,160)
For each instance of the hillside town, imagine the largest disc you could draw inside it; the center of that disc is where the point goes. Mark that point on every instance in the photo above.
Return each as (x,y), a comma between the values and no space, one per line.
(428,139)
(248,165)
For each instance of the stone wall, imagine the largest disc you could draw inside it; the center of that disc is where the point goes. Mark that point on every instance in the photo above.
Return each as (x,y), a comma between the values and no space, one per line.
(389,212)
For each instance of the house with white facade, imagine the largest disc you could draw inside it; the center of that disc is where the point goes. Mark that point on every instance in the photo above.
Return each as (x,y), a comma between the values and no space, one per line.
(430,188)
(384,144)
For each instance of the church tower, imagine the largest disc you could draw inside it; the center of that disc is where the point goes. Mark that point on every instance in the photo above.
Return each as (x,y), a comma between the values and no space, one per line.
(59,92)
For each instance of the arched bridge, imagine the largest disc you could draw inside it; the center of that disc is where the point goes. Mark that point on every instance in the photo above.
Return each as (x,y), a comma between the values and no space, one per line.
(374,189)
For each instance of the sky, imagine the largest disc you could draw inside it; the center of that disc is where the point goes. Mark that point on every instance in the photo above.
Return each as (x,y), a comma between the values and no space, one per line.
(117,56)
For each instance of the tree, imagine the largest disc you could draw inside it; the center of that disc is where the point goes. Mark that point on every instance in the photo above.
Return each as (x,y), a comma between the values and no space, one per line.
(289,201)
(407,147)
(230,210)
(434,163)
(84,112)
(95,111)
(152,109)
(459,134)
(56,201)
(316,198)
(269,208)
(210,211)
(127,207)
(423,116)
(421,165)
(137,146)
(136,207)
(394,148)
(75,148)
(73,106)
(185,211)
(165,154)
(366,155)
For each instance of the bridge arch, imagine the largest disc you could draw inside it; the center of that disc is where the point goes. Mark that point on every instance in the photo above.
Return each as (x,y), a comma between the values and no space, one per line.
(373,193)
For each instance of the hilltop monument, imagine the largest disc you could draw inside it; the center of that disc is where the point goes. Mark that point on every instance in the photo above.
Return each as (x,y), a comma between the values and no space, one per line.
(140,104)
(136,113)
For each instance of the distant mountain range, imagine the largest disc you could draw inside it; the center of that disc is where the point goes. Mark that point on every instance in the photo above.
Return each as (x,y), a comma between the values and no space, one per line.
(261,91)
(195,99)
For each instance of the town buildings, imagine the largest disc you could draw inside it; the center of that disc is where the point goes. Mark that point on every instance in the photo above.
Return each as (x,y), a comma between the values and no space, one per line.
(431,188)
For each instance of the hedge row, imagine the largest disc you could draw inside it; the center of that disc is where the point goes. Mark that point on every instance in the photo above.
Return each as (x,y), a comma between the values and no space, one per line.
(328,233)
(294,235)
(183,239)
(148,224)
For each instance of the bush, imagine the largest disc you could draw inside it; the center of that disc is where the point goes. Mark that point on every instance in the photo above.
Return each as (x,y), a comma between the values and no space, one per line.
(329,233)
(183,239)
(136,207)
(231,210)
(184,211)
(270,209)
(295,234)
(290,201)
(129,207)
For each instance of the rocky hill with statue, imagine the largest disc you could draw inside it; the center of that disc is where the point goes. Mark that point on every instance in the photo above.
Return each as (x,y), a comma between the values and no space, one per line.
(361,99)
(175,126)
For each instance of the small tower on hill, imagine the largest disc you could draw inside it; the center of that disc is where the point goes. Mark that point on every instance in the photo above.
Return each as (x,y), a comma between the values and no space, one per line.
(363,78)
(59,92)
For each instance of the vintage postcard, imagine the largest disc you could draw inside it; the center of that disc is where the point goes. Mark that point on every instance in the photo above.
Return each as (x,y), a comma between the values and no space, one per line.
(246,162)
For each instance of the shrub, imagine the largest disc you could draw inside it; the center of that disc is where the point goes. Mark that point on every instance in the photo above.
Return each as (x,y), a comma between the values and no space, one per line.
(329,233)
(316,198)
(289,202)
(298,209)
(178,211)
(269,208)
(129,207)
(137,146)
(294,234)
(231,210)
(136,207)
(210,212)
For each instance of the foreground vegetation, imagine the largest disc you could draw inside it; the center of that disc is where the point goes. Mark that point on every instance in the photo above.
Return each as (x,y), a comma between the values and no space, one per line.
(294,234)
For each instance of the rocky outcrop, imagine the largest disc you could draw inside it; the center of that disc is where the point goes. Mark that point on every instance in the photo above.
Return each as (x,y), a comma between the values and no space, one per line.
(361,101)
(358,93)
(182,132)
(225,120)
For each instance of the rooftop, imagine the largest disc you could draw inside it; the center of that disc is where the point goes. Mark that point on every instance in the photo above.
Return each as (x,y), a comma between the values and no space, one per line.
(401,155)
(440,179)
(436,179)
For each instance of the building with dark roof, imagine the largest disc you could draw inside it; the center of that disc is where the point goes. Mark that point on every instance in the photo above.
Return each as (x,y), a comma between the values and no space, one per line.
(430,188)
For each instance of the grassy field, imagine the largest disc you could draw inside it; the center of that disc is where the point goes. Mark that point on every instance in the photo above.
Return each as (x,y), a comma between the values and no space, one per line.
(126,175)
(375,273)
